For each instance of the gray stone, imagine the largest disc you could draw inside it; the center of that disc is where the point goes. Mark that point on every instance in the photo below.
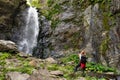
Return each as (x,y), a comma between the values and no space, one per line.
(81,78)
(24,55)
(66,15)
(57,73)
(50,60)
(41,74)
(8,46)
(16,76)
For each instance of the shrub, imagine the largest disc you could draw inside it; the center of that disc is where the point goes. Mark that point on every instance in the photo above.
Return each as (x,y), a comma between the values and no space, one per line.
(72,57)
(98,67)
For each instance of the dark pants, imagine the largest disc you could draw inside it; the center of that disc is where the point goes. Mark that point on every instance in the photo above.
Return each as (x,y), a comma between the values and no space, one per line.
(77,67)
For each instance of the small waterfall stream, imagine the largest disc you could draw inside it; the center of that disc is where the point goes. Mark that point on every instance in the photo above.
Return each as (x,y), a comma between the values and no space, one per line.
(30,32)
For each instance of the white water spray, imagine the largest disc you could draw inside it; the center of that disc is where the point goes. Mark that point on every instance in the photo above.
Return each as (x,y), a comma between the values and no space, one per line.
(31,31)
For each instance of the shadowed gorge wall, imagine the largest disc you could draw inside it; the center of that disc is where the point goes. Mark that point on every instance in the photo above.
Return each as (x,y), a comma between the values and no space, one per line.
(8,14)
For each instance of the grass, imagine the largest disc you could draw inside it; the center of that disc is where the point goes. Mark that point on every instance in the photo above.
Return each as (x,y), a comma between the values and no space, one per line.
(23,69)
(68,63)
(99,68)
(5,55)
(53,67)
(94,78)
(23,63)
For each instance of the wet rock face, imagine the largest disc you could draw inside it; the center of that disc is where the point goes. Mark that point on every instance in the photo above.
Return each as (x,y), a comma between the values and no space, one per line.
(42,49)
(8,12)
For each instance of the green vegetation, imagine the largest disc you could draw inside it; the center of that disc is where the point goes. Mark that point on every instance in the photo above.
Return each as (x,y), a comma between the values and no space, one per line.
(54,23)
(108,21)
(99,68)
(104,45)
(54,8)
(5,55)
(66,47)
(99,1)
(68,63)
(52,11)
(24,69)
(50,2)
(73,57)
(23,64)
(94,78)
(83,4)
(108,18)
(2,63)
(105,22)
(53,67)
(34,3)
(76,40)
(52,14)
(66,67)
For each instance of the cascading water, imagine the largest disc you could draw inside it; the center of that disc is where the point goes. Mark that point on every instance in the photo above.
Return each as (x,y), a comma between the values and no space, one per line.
(30,33)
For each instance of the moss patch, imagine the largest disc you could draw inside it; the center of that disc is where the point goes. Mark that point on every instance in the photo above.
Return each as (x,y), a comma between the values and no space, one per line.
(104,45)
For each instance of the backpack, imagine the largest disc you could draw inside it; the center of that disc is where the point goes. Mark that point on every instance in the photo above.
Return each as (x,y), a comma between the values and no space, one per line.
(83,59)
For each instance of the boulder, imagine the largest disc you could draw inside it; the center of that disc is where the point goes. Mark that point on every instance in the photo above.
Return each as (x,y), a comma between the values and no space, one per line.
(56,73)
(67,15)
(24,55)
(8,46)
(50,60)
(16,76)
(33,63)
(81,78)
(41,74)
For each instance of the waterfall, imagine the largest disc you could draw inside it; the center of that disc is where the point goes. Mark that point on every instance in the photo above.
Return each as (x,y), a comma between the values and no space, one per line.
(30,32)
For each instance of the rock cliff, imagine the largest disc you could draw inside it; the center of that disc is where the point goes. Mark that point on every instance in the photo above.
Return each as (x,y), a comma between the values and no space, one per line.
(92,25)
(8,14)
(85,24)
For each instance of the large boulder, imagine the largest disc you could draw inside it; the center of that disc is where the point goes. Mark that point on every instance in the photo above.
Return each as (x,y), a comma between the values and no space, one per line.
(44,74)
(57,73)
(8,46)
(50,60)
(16,76)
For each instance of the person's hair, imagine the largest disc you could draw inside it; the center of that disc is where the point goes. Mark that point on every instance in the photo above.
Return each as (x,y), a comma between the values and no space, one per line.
(83,52)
